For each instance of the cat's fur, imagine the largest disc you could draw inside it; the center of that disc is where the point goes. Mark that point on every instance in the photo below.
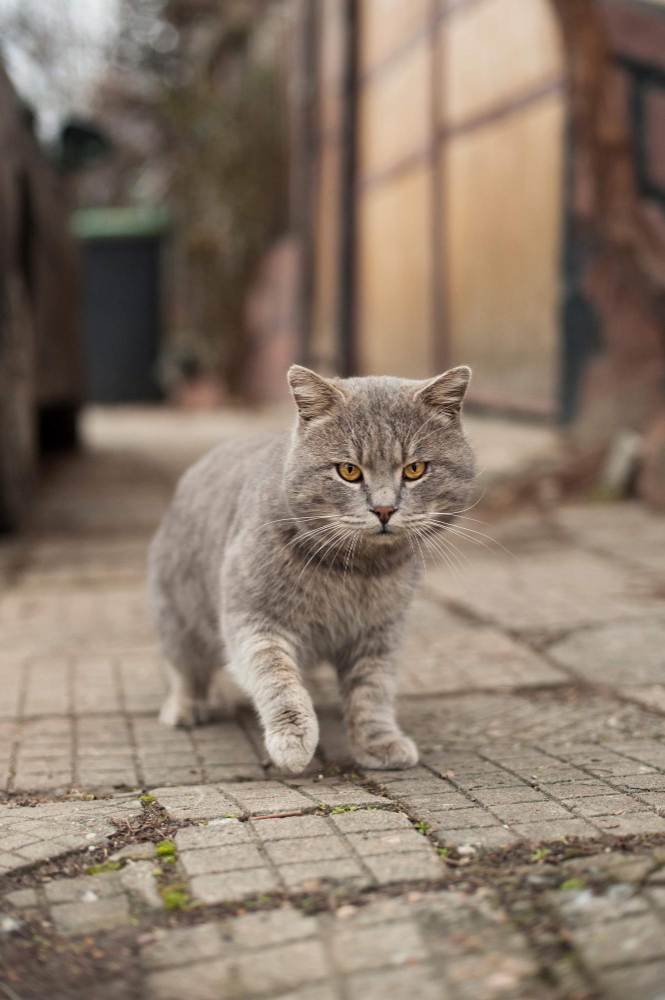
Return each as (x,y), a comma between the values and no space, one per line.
(267,561)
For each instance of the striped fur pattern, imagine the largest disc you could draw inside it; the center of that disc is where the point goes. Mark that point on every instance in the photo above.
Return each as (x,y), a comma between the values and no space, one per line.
(269,562)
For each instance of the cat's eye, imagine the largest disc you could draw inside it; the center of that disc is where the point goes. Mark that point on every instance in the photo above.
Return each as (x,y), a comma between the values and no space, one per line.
(414,470)
(351,473)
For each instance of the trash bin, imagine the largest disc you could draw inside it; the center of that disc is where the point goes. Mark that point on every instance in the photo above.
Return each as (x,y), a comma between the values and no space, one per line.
(121,301)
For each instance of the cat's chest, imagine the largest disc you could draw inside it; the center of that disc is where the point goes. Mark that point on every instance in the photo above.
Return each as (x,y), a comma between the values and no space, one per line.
(348,608)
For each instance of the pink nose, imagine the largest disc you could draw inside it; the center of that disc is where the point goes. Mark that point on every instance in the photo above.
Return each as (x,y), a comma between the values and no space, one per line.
(383,513)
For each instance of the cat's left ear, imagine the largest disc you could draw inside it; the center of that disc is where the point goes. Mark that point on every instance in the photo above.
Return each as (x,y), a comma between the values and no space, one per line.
(446,392)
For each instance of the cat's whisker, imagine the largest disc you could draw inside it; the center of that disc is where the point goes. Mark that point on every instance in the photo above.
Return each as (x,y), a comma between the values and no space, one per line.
(422,557)
(450,545)
(462,531)
(316,551)
(429,544)
(312,517)
(413,553)
(306,535)
(334,542)
(349,555)
(341,545)
(478,474)
(446,527)
(452,551)
(332,529)
(468,532)
(309,534)
(439,536)
(460,517)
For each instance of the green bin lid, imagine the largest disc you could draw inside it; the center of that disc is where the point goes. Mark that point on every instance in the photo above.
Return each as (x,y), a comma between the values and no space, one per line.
(107,223)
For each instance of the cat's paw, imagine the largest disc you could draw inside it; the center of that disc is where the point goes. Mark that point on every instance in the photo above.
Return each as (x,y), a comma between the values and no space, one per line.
(291,744)
(178,710)
(392,752)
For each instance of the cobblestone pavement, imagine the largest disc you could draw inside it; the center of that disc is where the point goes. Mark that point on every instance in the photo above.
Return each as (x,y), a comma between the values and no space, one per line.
(522,858)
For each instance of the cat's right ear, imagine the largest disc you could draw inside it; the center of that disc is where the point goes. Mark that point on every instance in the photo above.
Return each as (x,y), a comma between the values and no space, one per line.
(314,396)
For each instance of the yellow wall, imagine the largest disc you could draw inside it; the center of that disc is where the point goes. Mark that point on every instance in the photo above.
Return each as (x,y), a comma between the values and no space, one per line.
(459,193)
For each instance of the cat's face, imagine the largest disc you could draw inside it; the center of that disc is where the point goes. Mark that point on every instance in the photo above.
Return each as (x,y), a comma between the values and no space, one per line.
(382,459)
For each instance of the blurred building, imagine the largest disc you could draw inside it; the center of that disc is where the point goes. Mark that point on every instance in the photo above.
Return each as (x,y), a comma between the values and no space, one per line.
(485,182)
(40,372)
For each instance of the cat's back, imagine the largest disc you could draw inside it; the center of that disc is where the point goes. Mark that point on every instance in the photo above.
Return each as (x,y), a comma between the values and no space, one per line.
(210,500)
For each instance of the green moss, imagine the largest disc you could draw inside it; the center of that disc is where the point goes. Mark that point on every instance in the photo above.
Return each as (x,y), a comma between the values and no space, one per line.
(421,827)
(147,798)
(541,853)
(165,849)
(342,809)
(175,898)
(442,852)
(570,884)
(105,866)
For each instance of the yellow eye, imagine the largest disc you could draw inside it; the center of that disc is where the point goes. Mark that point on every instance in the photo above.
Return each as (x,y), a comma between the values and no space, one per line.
(349,472)
(414,470)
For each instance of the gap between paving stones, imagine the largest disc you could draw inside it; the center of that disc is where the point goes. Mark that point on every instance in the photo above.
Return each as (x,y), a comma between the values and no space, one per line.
(520,882)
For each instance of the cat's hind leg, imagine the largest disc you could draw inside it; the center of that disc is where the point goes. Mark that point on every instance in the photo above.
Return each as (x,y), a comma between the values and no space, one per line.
(187,703)
(192,660)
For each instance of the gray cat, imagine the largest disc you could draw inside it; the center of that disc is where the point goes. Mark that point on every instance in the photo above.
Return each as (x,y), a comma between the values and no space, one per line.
(283,551)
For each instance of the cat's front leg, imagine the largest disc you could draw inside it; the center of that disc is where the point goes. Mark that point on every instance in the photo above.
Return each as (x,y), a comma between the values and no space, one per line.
(264,664)
(368,686)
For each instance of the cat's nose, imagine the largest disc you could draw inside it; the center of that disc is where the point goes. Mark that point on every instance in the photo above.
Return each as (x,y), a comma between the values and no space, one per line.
(383,513)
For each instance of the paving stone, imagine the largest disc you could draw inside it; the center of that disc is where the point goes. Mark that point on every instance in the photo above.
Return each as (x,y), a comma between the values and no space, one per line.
(456,818)
(135,852)
(388,842)
(574,588)
(377,819)
(488,837)
(530,812)
(555,828)
(225,858)
(85,917)
(21,899)
(579,908)
(508,796)
(639,822)
(182,946)
(421,981)
(265,798)
(304,875)
(604,805)
(634,938)
(233,885)
(292,826)
(343,794)
(639,982)
(458,656)
(258,930)
(305,849)
(102,886)
(138,880)
(360,949)
(214,980)
(495,974)
(416,866)
(286,966)
(601,654)
(215,833)
(195,802)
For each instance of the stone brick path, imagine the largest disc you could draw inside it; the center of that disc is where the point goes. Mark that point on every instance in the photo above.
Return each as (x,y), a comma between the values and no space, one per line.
(534,684)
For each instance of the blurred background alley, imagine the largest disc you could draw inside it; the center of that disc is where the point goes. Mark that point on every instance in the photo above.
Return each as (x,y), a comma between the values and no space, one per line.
(196,193)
